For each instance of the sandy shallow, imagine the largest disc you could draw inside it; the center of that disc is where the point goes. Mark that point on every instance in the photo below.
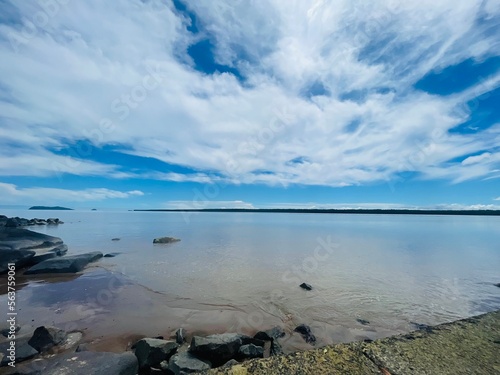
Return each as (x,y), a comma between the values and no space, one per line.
(113,312)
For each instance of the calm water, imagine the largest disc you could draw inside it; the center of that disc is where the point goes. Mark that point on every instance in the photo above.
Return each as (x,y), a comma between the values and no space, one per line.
(390,270)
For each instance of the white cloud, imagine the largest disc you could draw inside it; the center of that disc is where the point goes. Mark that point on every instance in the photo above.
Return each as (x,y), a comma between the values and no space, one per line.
(74,76)
(10,193)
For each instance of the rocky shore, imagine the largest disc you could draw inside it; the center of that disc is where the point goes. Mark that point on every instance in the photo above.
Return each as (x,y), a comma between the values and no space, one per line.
(468,346)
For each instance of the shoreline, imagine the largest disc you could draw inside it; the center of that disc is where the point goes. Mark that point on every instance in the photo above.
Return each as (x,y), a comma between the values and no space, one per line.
(466,346)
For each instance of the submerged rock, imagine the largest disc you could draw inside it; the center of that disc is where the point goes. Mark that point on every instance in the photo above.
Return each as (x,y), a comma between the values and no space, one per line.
(151,352)
(115,239)
(66,264)
(162,240)
(111,255)
(185,363)
(362,321)
(306,286)
(306,333)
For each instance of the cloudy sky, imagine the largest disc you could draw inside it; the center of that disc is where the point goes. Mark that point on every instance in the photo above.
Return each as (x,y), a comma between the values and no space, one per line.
(261,103)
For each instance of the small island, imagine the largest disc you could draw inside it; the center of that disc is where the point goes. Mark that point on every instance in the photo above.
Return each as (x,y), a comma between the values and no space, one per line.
(53,208)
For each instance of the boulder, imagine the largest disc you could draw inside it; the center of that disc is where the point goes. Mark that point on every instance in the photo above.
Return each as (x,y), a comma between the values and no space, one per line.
(306,333)
(40,256)
(185,363)
(272,335)
(12,223)
(24,239)
(251,351)
(163,240)
(151,352)
(24,350)
(111,255)
(45,338)
(497,285)
(306,286)
(115,239)
(65,264)
(19,257)
(52,221)
(180,336)
(218,349)
(83,363)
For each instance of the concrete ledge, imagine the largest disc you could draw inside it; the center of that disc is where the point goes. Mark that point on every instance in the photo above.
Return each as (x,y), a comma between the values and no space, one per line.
(468,346)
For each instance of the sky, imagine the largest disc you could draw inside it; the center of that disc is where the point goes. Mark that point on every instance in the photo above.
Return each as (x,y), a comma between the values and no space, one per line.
(238,104)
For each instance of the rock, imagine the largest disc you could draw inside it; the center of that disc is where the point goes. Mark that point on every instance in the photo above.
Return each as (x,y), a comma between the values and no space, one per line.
(115,239)
(10,330)
(52,221)
(111,255)
(230,363)
(163,240)
(306,286)
(72,340)
(66,264)
(276,349)
(19,257)
(497,285)
(45,338)
(151,352)
(40,256)
(306,333)
(362,321)
(251,351)
(12,223)
(270,334)
(218,349)
(82,348)
(180,336)
(83,363)
(23,350)
(24,239)
(186,363)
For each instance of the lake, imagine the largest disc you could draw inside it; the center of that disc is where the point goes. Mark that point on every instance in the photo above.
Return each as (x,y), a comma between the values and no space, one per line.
(241,272)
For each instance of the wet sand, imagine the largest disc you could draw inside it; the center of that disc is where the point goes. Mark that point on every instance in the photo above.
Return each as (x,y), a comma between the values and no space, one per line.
(114,312)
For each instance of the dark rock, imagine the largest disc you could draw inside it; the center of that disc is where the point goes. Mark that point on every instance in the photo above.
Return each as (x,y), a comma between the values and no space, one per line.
(251,351)
(66,264)
(180,336)
(45,338)
(24,239)
(362,321)
(44,255)
(12,223)
(306,286)
(24,351)
(306,333)
(111,255)
(497,285)
(19,257)
(10,330)
(52,221)
(218,349)
(83,363)
(186,363)
(270,334)
(151,352)
(163,240)
(276,349)
(115,239)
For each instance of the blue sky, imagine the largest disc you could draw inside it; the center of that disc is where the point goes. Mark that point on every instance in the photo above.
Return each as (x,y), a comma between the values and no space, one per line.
(306,103)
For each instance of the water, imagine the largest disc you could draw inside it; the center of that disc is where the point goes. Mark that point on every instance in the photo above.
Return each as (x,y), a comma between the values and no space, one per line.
(388,269)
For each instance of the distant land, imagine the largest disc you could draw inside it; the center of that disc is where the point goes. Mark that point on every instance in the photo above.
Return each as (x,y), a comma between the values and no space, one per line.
(55,208)
(341,211)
